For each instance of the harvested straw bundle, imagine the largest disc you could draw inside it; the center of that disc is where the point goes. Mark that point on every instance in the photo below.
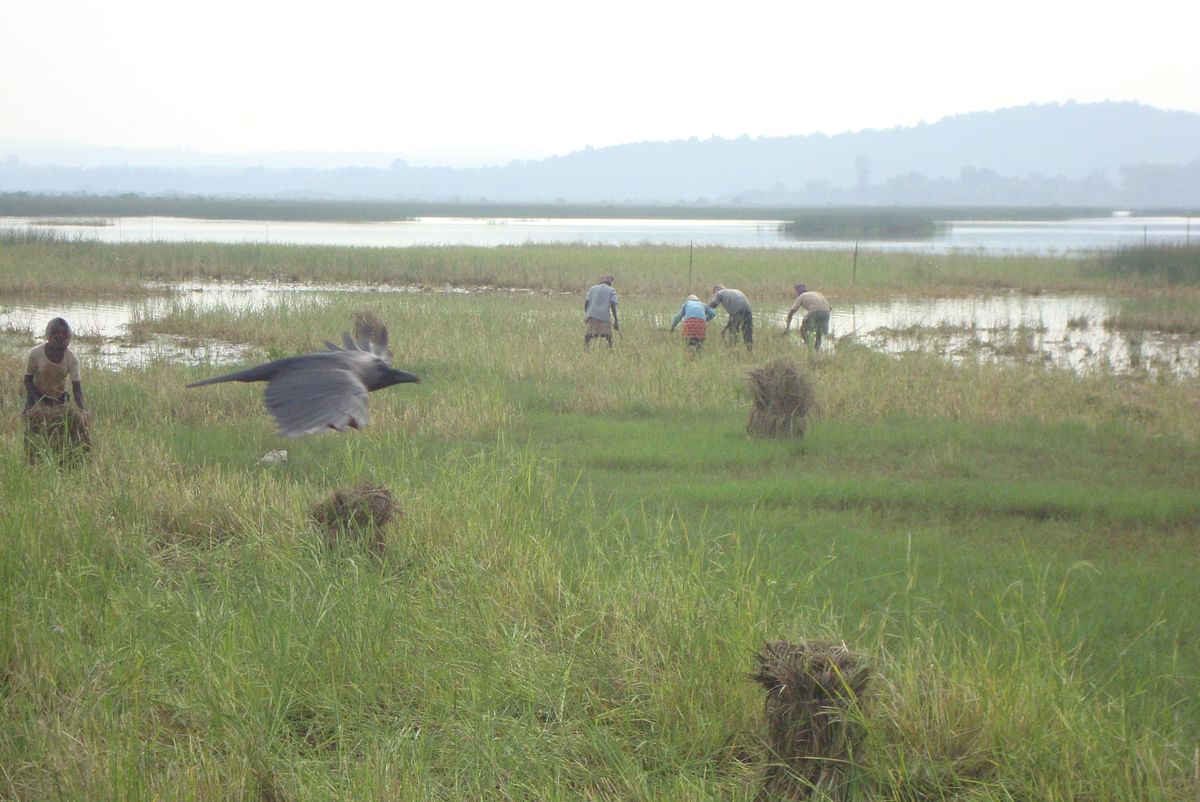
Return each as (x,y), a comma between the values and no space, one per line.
(358,513)
(63,433)
(782,398)
(368,327)
(814,695)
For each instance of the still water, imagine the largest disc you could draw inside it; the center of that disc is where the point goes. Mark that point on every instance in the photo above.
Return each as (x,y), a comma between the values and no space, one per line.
(1069,332)
(1066,331)
(995,236)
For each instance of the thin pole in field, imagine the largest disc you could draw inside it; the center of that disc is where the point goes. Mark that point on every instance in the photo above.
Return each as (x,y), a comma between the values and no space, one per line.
(689,266)
(1187,237)
(854,304)
(1145,235)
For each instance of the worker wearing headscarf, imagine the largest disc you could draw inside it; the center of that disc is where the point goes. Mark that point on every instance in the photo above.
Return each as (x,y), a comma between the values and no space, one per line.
(694,314)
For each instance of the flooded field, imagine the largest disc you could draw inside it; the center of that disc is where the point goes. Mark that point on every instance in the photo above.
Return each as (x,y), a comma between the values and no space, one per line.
(1072,332)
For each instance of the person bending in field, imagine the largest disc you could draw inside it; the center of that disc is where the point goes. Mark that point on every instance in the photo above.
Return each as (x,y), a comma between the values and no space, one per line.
(50,366)
(600,312)
(694,315)
(816,317)
(741,318)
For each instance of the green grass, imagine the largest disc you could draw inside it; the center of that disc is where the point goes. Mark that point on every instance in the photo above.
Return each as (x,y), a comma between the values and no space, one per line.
(39,265)
(591,552)
(1169,264)
(1174,313)
(865,224)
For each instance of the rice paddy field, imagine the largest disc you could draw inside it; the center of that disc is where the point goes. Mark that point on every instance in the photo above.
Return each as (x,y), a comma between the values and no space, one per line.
(587,549)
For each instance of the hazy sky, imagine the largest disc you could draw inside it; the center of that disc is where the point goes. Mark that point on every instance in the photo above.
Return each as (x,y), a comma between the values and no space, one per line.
(527,76)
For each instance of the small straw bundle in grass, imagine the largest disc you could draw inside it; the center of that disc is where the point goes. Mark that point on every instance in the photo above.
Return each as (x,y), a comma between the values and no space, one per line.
(813,710)
(782,398)
(62,433)
(368,327)
(358,514)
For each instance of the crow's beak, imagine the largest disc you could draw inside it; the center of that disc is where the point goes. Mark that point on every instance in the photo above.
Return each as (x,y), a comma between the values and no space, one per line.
(404,377)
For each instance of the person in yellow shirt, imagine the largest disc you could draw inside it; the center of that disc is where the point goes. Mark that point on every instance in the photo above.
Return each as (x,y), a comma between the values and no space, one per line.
(50,367)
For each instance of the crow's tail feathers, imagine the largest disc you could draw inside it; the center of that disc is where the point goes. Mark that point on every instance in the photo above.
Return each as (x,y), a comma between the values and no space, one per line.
(371,340)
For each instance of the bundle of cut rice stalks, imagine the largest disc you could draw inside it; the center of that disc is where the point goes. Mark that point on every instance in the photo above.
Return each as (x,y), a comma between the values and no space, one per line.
(359,514)
(813,708)
(782,398)
(61,433)
(368,327)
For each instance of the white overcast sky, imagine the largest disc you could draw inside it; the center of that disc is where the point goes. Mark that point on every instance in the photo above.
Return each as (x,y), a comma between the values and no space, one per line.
(529,76)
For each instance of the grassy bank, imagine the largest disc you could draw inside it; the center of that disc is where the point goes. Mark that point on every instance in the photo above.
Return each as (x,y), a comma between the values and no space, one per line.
(590,554)
(33,266)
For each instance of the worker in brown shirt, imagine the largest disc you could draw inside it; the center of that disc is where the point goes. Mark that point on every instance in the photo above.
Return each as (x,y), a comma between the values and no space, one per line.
(50,366)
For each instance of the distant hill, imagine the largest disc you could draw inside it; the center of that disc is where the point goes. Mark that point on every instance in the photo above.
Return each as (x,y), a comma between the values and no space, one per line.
(1067,154)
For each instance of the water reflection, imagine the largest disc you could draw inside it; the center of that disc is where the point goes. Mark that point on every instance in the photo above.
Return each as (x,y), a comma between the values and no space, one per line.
(1062,331)
(995,236)
(103,330)
(1065,236)
(103,339)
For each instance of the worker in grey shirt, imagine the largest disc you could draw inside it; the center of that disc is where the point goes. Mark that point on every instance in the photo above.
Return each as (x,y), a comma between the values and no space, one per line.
(600,312)
(816,314)
(741,318)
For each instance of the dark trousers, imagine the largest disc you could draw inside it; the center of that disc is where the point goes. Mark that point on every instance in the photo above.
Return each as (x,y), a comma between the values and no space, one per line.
(818,324)
(743,324)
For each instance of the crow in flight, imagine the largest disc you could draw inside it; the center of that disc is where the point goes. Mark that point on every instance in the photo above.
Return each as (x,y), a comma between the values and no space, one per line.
(327,390)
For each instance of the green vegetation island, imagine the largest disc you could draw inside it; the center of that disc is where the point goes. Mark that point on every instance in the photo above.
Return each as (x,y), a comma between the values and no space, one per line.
(588,550)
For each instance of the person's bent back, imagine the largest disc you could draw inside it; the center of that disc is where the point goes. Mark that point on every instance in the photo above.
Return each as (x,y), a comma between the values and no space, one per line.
(600,311)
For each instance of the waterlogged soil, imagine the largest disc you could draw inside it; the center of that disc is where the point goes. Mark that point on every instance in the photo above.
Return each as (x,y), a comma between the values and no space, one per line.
(1067,331)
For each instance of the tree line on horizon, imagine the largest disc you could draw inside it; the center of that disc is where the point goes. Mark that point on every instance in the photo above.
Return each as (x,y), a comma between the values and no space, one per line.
(1106,154)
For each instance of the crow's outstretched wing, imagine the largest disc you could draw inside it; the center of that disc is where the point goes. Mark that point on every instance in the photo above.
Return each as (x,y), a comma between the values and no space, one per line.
(308,399)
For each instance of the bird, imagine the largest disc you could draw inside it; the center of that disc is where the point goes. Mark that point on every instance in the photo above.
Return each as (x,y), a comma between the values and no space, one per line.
(309,393)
